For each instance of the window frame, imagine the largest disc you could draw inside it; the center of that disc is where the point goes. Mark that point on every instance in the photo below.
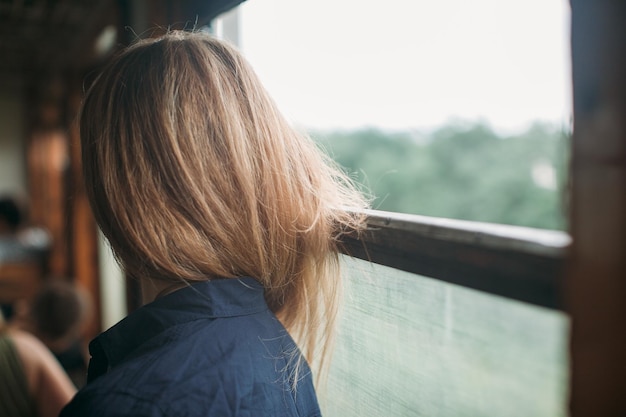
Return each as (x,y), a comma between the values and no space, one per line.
(521,263)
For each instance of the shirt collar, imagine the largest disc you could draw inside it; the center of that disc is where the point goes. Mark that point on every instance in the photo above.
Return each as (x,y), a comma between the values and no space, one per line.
(210,299)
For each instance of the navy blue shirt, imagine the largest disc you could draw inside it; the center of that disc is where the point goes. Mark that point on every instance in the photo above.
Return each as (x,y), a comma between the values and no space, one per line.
(211,349)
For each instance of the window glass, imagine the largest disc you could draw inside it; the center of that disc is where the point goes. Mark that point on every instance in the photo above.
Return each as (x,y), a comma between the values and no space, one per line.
(410,345)
(449,108)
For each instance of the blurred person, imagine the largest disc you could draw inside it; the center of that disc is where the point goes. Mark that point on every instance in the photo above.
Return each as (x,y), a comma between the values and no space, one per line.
(230,221)
(20,245)
(13,225)
(10,216)
(57,315)
(32,383)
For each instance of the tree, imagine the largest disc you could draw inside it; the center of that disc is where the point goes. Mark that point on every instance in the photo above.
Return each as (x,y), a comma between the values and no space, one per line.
(460,171)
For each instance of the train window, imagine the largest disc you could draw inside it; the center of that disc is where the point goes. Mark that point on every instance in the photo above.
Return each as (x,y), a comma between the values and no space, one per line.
(451,108)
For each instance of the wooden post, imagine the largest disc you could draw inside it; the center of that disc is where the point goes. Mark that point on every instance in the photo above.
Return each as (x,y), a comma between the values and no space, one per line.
(47,162)
(596,282)
(84,235)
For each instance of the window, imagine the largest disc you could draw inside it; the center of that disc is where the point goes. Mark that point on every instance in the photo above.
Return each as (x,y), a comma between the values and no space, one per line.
(411,345)
(455,109)
(452,108)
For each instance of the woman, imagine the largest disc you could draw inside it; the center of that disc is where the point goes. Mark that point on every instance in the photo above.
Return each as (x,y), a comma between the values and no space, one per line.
(229,219)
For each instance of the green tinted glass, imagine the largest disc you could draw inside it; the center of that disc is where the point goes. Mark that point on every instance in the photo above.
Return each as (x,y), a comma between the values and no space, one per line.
(414,346)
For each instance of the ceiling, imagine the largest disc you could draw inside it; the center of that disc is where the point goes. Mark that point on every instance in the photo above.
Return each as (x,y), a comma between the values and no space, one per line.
(48,35)
(39,37)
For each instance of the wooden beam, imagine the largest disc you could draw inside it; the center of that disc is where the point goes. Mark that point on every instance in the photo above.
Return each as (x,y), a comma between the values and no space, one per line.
(514,262)
(596,295)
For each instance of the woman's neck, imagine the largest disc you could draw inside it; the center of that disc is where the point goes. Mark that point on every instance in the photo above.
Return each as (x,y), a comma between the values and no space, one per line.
(153,289)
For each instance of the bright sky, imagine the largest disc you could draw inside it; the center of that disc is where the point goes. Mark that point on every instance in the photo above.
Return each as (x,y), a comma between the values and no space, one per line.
(413,64)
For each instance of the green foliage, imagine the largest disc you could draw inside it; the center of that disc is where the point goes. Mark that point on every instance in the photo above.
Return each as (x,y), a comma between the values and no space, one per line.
(460,171)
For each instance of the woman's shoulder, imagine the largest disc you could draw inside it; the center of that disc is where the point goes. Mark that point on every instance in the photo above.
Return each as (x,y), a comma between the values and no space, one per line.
(33,354)
(47,381)
(203,370)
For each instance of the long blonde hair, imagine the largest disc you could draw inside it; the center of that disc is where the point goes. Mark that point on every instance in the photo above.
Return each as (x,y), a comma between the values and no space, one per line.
(193,174)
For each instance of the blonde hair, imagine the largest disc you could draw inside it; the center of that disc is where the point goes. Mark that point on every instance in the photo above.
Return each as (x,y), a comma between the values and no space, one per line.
(193,174)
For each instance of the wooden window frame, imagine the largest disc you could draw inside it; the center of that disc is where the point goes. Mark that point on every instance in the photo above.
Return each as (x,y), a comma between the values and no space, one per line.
(510,261)
(584,275)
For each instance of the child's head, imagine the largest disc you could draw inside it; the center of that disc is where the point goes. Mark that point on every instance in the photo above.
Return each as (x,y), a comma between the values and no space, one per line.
(194,174)
(57,312)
